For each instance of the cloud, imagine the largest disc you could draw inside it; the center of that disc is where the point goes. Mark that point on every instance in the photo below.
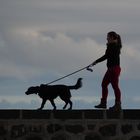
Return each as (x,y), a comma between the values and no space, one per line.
(130,60)
(37,51)
(4,104)
(41,51)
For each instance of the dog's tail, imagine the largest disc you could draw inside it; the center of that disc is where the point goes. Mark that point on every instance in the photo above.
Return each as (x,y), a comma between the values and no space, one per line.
(77,85)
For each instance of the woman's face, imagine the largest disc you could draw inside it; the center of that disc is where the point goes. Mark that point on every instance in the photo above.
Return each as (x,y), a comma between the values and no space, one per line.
(110,39)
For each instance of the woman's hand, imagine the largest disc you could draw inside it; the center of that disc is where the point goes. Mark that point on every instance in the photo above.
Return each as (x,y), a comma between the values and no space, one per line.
(94,63)
(91,65)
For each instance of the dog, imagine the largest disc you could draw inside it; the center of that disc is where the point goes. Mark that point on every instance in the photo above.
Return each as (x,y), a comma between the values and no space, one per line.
(50,92)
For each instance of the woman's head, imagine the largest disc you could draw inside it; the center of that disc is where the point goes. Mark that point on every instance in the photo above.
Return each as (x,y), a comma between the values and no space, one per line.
(114,37)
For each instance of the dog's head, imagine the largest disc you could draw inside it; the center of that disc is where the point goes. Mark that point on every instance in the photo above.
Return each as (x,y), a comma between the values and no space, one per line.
(32,90)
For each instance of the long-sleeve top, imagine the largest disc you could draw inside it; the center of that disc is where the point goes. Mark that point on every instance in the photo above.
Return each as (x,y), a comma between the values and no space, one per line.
(112,54)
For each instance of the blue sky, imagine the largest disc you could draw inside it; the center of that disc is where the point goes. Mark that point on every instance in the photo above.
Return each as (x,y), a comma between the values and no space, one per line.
(41,41)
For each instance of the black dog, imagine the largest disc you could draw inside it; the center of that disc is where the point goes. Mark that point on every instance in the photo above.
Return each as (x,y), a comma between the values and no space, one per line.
(50,92)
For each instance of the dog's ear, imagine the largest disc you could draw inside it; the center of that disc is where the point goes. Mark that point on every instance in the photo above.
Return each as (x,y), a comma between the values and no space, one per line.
(41,85)
(37,89)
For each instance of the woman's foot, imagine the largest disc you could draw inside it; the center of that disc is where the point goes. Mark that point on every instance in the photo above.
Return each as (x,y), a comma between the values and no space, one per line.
(116,107)
(102,104)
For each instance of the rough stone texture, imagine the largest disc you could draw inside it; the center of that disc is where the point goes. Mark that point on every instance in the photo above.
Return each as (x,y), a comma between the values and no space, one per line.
(127,128)
(54,128)
(91,126)
(2,130)
(135,138)
(74,128)
(33,138)
(138,126)
(61,136)
(17,131)
(69,125)
(108,130)
(92,136)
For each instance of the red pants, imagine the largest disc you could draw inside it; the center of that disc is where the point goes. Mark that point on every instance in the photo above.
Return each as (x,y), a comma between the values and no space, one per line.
(111,76)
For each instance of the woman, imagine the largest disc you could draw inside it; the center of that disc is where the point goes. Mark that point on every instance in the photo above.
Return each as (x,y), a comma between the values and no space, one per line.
(112,55)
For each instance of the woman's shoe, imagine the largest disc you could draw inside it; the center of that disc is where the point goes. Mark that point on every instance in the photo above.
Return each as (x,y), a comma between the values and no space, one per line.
(116,107)
(102,104)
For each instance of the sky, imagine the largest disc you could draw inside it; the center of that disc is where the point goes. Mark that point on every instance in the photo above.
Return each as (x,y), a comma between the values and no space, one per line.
(43,40)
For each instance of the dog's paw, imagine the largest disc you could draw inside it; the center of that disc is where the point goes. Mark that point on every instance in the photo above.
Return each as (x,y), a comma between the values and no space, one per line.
(70,108)
(54,108)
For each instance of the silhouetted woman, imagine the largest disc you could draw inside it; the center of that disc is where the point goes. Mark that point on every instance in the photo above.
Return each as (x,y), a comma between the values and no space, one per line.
(112,55)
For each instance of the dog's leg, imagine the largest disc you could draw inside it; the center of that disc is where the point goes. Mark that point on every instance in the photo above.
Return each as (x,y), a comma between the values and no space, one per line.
(66,103)
(53,104)
(70,102)
(43,103)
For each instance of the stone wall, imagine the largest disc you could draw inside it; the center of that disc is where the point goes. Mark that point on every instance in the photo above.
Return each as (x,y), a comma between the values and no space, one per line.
(69,125)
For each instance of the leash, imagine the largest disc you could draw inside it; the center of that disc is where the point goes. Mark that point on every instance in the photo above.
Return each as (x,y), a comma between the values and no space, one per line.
(87,68)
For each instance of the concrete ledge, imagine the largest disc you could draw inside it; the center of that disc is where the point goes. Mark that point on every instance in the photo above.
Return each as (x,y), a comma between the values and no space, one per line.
(70,114)
(131,114)
(9,114)
(69,125)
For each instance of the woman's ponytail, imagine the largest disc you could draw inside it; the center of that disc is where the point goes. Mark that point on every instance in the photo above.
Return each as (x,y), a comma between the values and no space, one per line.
(119,41)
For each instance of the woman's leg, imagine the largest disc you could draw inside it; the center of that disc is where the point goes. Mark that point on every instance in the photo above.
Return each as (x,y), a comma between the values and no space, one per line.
(115,83)
(105,83)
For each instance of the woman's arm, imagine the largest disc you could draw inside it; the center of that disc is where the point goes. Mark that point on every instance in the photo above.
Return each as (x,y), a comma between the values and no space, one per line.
(104,57)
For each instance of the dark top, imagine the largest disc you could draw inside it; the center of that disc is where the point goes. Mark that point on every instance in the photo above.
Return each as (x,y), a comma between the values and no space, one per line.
(112,55)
